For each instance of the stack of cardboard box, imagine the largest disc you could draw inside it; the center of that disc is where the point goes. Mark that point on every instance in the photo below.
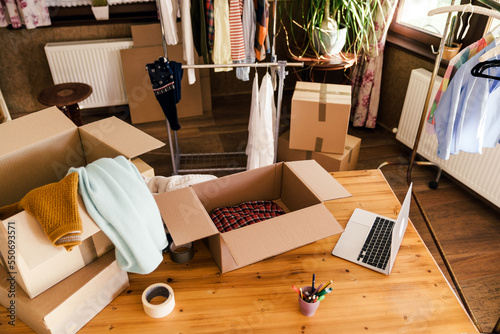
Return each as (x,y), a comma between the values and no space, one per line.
(318,127)
(48,288)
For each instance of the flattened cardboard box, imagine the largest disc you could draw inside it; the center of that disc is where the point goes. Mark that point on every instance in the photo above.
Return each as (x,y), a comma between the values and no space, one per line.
(69,305)
(300,187)
(320,117)
(329,161)
(36,150)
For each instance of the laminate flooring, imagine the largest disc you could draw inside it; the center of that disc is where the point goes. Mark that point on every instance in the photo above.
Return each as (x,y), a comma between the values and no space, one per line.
(468,228)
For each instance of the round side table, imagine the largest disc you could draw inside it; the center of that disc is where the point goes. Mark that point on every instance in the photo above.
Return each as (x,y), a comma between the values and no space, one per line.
(66,96)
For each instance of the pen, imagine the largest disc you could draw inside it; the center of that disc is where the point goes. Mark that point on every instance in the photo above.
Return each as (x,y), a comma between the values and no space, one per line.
(314,279)
(295,289)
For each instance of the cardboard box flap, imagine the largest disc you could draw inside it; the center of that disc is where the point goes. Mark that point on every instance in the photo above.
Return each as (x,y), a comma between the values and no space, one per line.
(318,180)
(122,137)
(185,217)
(40,126)
(281,234)
(328,93)
(34,245)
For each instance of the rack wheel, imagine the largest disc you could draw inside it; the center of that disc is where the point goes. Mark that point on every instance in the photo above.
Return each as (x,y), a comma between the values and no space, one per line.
(433,185)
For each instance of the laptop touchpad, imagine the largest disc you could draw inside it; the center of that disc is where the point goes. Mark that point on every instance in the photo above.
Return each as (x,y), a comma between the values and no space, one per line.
(355,232)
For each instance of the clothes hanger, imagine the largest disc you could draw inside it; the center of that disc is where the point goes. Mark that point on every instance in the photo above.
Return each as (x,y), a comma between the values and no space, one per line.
(479,68)
(493,52)
(467,8)
(462,21)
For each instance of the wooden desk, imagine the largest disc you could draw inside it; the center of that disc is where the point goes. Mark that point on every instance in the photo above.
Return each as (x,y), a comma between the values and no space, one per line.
(258,298)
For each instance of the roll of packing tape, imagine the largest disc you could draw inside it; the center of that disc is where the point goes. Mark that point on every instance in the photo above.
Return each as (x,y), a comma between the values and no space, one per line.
(158,310)
(181,254)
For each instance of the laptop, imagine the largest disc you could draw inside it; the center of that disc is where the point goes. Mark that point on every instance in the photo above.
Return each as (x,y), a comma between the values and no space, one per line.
(373,241)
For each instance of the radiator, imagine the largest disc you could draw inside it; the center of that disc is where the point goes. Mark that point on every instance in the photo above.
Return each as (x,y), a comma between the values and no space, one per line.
(96,63)
(479,172)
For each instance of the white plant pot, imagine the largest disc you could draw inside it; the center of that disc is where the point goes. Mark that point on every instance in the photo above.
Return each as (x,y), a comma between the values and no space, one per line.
(101,12)
(329,42)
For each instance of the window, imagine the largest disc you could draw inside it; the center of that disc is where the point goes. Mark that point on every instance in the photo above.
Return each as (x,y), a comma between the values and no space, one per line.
(413,14)
(414,31)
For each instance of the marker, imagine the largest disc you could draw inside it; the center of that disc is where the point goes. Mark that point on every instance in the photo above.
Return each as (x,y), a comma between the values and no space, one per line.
(295,289)
(324,292)
(320,298)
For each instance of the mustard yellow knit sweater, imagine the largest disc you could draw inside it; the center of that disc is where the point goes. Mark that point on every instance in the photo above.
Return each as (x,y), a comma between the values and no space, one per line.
(55,206)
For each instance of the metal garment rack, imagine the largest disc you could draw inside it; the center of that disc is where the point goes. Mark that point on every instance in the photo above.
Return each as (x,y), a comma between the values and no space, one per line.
(225,161)
(450,10)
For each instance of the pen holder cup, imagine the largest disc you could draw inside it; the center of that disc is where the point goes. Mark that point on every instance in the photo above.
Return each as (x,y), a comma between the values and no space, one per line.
(307,309)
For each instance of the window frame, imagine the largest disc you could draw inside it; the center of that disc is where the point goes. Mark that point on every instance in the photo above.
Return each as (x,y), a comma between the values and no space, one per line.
(419,42)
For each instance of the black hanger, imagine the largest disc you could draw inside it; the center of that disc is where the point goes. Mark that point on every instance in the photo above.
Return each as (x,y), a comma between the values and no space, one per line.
(478,70)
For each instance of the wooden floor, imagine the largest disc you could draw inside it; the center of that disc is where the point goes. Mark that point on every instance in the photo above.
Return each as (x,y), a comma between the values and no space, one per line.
(468,229)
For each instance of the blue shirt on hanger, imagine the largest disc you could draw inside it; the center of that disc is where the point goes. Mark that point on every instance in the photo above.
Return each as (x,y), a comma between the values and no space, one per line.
(464,109)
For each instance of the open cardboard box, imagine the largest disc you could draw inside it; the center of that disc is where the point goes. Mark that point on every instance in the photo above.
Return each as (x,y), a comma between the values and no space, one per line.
(69,305)
(300,187)
(38,149)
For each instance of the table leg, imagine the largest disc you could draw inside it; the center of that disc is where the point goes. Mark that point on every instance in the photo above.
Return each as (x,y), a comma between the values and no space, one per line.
(73,112)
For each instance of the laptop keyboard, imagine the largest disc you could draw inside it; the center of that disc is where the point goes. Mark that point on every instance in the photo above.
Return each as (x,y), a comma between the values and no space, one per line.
(377,247)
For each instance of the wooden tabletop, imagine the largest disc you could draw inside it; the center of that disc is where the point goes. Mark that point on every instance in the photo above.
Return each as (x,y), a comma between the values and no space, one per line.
(64,94)
(258,298)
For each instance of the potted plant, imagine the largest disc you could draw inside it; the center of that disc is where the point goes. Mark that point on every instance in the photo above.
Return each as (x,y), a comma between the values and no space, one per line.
(451,46)
(320,27)
(100,9)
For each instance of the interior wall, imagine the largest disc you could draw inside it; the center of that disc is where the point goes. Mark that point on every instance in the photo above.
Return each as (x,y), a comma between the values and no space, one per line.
(396,72)
(24,70)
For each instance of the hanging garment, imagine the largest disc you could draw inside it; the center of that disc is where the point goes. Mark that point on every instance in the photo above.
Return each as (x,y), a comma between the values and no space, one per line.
(199,29)
(177,72)
(453,65)
(261,28)
(209,20)
(248,23)
(236,33)
(168,14)
(31,13)
(253,127)
(187,38)
(221,53)
(162,80)
(121,204)
(267,120)
(463,110)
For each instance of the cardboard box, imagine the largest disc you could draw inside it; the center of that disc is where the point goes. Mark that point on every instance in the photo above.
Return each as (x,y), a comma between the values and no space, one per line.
(38,149)
(143,104)
(299,187)
(320,117)
(69,305)
(329,161)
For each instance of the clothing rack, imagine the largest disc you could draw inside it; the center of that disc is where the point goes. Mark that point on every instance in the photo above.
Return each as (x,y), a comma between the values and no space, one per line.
(227,161)
(450,10)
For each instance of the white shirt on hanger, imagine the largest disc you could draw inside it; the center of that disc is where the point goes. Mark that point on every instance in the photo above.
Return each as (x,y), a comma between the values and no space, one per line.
(187,38)
(168,12)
